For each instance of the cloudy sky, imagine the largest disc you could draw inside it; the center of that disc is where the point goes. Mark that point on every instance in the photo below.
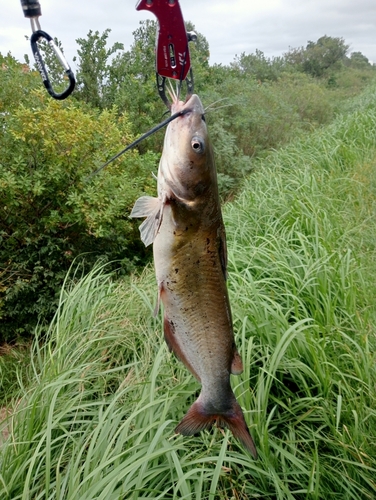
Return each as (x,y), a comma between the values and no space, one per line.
(231,27)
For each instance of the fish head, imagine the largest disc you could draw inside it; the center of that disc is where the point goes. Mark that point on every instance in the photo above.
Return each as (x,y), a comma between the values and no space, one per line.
(187,170)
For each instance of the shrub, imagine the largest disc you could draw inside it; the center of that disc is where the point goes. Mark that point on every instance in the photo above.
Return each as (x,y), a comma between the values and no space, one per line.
(51,212)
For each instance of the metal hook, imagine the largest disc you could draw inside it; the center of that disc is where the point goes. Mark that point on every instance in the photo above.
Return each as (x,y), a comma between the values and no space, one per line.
(42,69)
(161,85)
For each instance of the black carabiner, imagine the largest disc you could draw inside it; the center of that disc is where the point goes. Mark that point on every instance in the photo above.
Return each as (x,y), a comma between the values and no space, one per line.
(42,69)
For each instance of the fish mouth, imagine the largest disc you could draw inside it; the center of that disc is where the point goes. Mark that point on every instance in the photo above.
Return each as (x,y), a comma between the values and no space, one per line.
(191,105)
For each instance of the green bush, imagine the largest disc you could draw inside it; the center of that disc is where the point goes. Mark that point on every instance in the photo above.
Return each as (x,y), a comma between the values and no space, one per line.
(51,212)
(232,165)
(17,83)
(266,115)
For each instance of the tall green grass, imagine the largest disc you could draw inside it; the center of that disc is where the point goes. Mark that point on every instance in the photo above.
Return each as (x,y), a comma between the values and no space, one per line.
(96,418)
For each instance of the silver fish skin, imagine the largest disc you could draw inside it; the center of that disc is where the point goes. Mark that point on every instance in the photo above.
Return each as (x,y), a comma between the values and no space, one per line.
(185,225)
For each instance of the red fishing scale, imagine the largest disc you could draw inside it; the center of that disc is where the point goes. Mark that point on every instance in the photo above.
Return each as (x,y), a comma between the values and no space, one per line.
(172,54)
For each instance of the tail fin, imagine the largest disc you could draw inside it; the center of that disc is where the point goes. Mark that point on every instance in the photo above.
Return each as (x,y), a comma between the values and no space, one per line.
(197,420)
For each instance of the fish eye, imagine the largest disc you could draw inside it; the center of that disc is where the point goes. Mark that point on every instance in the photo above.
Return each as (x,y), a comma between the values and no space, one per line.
(198,145)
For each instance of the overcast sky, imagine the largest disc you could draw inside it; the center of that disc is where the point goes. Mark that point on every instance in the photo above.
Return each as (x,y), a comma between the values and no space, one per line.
(231,27)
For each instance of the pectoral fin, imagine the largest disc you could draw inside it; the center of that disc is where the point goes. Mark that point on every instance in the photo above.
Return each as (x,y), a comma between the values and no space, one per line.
(151,208)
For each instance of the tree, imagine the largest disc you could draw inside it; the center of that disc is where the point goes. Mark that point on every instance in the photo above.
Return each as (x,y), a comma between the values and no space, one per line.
(94,67)
(200,53)
(359,61)
(17,82)
(328,53)
(259,67)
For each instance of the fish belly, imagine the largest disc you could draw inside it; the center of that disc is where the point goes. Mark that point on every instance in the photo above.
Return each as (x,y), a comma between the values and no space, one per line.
(196,306)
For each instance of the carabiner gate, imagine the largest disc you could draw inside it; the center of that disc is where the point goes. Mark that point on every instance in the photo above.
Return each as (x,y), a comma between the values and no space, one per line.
(42,69)
(32,11)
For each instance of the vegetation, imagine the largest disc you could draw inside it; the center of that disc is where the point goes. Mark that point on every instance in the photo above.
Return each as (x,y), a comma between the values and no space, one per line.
(52,212)
(95,418)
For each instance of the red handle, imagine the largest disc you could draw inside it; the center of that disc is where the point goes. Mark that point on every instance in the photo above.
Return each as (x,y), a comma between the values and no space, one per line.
(172,54)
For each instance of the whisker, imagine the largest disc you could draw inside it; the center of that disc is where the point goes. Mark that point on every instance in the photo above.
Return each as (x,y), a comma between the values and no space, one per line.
(173,94)
(178,88)
(216,109)
(216,102)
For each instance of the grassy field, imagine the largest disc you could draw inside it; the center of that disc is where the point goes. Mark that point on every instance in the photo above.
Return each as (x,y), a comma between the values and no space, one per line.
(95,411)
